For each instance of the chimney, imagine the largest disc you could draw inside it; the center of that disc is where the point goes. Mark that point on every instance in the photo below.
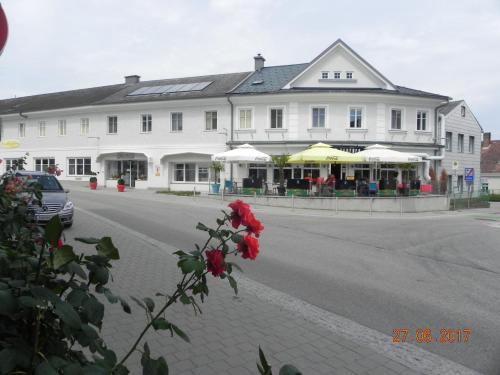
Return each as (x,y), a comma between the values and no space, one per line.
(486,139)
(130,80)
(259,62)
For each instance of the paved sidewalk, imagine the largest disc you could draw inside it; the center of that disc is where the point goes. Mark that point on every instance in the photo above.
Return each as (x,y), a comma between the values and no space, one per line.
(225,338)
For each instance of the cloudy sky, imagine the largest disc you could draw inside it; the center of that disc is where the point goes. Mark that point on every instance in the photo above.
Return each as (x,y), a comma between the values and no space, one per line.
(446,47)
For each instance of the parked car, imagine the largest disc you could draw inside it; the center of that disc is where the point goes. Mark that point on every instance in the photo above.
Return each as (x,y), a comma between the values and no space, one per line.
(55,199)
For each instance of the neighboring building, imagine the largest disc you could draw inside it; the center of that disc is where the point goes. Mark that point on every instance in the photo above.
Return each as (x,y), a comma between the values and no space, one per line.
(162,133)
(490,164)
(462,134)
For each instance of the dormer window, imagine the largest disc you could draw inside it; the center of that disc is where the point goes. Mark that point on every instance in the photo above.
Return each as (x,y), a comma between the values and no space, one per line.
(348,75)
(324,75)
(336,75)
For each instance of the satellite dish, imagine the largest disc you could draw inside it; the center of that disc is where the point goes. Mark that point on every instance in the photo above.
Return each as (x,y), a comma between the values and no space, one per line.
(4,29)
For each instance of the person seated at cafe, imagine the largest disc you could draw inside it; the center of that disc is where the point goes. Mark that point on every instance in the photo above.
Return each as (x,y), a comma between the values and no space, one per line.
(330,181)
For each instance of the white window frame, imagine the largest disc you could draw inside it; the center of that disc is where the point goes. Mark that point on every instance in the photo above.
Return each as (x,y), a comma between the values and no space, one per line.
(10,161)
(427,113)
(61,128)
(251,109)
(174,169)
(270,117)
(472,146)
(211,121)
(448,147)
(325,75)
(48,158)
(204,166)
(83,158)
(347,75)
(149,123)
(363,116)
(84,124)
(21,129)
(115,125)
(460,145)
(337,75)
(403,122)
(42,125)
(177,130)
(311,109)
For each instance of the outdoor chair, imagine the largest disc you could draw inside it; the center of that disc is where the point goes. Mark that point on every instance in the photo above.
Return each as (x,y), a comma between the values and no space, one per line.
(228,186)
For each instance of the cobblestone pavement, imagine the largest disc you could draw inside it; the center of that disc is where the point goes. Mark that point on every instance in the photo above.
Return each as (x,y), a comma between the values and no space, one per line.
(226,337)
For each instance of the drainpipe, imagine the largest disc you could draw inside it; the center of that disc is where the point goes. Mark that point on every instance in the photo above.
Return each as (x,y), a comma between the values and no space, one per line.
(443,149)
(231,135)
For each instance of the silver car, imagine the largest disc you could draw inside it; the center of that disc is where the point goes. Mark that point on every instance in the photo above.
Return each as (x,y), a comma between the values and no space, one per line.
(54,198)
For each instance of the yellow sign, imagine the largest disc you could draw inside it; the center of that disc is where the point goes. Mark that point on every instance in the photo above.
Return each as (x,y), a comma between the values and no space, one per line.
(349,178)
(10,143)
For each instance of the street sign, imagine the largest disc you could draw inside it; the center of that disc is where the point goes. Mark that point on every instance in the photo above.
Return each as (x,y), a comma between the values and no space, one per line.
(469,174)
(4,30)
(454,165)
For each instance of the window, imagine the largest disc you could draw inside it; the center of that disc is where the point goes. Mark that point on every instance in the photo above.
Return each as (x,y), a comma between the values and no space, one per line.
(185,172)
(318,117)
(245,119)
(202,174)
(112,124)
(421,120)
(356,117)
(62,127)
(276,118)
(176,121)
(79,167)
(348,75)
(460,147)
(396,119)
(462,111)
(42,164)
(449,139)
(41,129)
(84,126)
(256,171)
(311,170)
(471,144)
(22,130)
(324,75)
(211,120)
(460,184)
(336,75)
(14,164)
(146,123)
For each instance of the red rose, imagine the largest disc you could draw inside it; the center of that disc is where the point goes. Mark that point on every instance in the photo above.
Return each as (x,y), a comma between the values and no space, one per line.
(215,262)
(59,243)
(249,247)
(253,225)
(239,214)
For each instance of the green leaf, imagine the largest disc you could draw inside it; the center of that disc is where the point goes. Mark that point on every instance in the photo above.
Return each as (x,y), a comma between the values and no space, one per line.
(53,230)
(7,361)
(121,370)
(30,301)
(73,369)
(235,265)
(263,362)
(125,305)
(68,314)
(8,304)
(73,267)
(180,333)
(233,283)
(63,256)
(185,299)
(45,368)
(94,310)
(289,370)
(162,324)
(149,303)
(106,248)
(202,226)
(139,302)
(188,265)
(99,275)
(88,240)
(45,294)
(152,366)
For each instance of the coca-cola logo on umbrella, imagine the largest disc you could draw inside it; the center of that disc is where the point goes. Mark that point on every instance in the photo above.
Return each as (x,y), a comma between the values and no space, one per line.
(3,29)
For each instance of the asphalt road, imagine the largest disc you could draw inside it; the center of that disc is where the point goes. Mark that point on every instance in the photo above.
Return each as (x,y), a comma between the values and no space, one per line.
(428,271)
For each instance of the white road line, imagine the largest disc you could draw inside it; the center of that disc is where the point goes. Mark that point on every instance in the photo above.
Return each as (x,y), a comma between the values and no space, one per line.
(409,355)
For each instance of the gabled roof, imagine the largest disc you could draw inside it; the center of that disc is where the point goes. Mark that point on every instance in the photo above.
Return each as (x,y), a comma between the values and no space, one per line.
(337,43)
(490,158)
(117,94)
(447,108)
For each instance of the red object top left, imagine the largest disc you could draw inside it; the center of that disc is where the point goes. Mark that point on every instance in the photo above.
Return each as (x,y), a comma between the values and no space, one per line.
(4,29)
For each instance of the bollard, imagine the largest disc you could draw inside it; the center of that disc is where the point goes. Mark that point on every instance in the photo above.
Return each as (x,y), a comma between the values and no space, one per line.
(336,204)
(222,195)
(371,204)
(254,197)
(293,201)
(401,205)
(194,191)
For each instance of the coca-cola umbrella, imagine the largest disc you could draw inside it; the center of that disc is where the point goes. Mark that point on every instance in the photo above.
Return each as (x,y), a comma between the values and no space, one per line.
(4,29)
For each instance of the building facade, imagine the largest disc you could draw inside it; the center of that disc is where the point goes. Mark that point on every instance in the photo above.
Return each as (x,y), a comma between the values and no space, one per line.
(162,133)
(490,164)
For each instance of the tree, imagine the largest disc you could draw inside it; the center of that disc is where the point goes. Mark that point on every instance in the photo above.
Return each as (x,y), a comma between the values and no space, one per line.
(217,167)
(443,182)
(280,162)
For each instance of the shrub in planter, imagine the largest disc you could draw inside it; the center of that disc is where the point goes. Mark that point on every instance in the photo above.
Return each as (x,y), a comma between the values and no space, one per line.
(120,185)
(49,310)
(93,183)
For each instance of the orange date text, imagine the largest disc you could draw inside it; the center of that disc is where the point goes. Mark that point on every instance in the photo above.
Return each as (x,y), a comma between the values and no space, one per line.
(427,336)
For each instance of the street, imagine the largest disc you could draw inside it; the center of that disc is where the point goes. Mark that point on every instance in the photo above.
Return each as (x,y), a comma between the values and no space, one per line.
(426,271)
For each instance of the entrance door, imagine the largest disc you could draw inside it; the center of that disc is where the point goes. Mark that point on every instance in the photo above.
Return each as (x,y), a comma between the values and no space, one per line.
(336,171)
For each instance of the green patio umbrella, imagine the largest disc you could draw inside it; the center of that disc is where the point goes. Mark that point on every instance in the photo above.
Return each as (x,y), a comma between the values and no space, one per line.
(321,153)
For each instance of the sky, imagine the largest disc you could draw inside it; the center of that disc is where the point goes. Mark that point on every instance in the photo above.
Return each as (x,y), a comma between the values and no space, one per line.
(445,47)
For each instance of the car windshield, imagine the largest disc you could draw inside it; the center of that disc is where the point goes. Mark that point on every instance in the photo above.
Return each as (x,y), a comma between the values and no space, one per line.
(47,182)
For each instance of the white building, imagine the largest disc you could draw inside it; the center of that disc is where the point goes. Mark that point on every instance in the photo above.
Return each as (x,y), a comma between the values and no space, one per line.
(162,133)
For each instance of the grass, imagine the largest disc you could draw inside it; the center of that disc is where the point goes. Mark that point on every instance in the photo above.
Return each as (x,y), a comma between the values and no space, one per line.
(178,193)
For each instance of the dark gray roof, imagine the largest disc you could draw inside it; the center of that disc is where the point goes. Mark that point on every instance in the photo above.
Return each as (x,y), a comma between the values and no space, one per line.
(115,94)
(273,79)
(447,108)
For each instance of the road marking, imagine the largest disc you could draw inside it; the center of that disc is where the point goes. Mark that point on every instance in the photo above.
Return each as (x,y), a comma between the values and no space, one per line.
(409,355)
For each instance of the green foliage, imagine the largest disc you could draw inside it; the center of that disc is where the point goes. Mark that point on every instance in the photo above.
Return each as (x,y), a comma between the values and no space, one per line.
(280,162)
(217,167)
(494,197)
(179,193)
(120,181)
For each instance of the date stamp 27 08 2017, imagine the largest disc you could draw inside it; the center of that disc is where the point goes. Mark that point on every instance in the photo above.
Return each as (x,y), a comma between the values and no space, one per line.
(427,336)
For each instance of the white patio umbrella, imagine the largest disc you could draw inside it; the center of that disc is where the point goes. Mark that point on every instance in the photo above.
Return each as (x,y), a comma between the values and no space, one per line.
(244,153)
(383,154)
